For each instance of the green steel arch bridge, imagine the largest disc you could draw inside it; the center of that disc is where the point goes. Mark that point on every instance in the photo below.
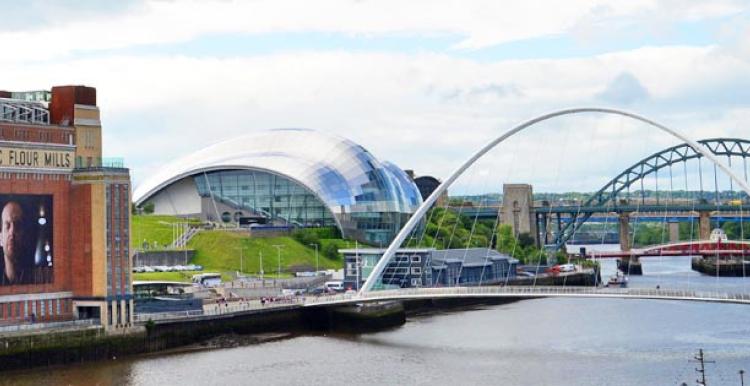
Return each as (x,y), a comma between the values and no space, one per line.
(625,195)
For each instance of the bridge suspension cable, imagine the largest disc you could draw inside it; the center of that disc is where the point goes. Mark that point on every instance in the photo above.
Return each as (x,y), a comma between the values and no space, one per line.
(408,228)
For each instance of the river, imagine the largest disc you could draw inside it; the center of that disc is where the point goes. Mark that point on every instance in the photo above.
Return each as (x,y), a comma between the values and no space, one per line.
(578,342)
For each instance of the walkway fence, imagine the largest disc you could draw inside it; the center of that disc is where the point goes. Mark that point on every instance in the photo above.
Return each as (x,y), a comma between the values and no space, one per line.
(48,325)
(224,308)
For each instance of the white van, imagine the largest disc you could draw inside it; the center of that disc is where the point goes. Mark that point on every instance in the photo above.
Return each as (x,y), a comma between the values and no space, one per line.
(337,286)
(207,279)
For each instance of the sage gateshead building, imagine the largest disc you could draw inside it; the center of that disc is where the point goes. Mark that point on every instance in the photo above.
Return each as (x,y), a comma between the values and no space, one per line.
(287,177)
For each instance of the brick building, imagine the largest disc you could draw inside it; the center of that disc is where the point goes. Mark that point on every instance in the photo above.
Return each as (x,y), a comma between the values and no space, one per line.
(64,212)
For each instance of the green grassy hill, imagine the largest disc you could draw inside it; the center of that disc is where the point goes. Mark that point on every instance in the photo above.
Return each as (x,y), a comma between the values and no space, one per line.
(156,231)
(219,251)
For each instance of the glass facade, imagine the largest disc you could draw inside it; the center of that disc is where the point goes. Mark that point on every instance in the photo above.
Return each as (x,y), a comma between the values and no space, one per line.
(299,176)
(264,194)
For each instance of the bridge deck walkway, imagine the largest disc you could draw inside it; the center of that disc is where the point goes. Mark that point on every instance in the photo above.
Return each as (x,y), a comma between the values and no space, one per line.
(450,293)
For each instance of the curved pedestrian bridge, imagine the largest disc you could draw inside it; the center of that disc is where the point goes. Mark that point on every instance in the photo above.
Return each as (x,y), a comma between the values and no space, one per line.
(495,292)
(528,292)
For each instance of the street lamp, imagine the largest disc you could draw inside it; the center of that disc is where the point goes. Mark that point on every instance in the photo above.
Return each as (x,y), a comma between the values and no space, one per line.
(242,258)
(278,250)
(742,377)
(316,258)
(260,254)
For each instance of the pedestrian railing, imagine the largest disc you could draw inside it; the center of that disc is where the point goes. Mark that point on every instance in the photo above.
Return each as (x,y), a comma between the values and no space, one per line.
(451,292)
(221,308)
(47,325)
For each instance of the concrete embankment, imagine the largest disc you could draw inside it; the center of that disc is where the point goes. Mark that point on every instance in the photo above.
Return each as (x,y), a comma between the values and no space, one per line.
(27,350)
(47,347)
(729,268)
(589,277)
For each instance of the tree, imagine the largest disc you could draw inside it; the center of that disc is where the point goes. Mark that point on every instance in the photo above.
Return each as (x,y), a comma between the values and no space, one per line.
(331,251)
(526,240)
(148,208)
(506,243)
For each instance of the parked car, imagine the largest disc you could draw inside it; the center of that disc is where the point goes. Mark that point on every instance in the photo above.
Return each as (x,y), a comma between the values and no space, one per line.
(567,268)
(317,291)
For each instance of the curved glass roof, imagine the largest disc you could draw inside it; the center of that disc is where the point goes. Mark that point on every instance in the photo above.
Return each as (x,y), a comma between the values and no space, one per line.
(341,173)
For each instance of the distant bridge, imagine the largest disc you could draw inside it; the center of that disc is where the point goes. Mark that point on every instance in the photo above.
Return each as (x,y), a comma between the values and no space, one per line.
(688,248)
(642,213)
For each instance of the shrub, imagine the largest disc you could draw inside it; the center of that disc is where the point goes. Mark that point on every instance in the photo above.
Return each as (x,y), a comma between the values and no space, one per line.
(331,251)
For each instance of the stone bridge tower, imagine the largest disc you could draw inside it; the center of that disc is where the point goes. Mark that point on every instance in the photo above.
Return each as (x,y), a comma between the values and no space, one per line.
(518,209)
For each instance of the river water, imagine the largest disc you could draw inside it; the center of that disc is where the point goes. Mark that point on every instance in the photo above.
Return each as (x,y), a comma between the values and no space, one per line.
(532,342)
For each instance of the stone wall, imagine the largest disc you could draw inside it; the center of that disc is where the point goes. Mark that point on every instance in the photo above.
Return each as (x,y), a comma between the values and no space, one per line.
(168,258)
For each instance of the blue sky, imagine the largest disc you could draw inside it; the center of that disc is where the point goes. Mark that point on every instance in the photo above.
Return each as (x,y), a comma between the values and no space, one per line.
(420,83)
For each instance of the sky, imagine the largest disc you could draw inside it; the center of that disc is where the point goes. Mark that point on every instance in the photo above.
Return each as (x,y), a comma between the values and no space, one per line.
(423,84)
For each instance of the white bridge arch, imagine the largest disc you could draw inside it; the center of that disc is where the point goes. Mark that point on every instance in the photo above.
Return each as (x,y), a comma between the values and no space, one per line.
(422,210)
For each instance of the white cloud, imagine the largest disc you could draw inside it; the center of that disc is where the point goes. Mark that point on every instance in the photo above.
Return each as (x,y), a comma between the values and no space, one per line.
(158,108)
(424,111)
(479,23)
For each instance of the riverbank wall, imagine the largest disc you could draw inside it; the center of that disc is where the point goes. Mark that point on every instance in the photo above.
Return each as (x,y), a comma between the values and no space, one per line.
(30,349)
(724,268)
(589,277)
(49,348)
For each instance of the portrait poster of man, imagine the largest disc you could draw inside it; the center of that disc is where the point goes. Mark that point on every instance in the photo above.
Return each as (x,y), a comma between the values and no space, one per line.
(26,239)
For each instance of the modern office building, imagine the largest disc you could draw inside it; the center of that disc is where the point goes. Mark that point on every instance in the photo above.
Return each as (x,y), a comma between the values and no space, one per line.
(287,177)
(410,267)
(65,212)
(428,267)
(472,266)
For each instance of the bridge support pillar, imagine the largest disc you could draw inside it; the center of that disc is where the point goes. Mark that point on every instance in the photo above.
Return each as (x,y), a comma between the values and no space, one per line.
(518,209)
(674,232)
(704,225)
(625,231)
(628,265)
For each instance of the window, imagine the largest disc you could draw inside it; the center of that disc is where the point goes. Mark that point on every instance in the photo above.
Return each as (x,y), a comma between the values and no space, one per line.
(416,259)
(416,282)
(416,271)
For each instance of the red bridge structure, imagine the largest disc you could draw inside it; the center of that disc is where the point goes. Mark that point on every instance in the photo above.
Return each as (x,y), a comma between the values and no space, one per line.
(716,256)
(703,248)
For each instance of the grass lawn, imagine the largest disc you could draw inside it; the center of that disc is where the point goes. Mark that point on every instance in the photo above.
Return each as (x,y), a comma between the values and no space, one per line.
(182,276)
(219,251)
(154,230)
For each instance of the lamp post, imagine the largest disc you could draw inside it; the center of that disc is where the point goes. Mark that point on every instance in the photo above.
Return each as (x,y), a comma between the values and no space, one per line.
(242,258)
(356,263)
(278,250)
(742,377)
(260,254)
(316,259)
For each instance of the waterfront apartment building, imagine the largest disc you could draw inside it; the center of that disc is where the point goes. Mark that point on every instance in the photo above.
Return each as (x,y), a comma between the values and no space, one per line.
(64,212)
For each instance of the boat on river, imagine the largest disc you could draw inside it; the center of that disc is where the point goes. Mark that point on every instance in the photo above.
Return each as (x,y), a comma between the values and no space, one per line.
(618,280)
